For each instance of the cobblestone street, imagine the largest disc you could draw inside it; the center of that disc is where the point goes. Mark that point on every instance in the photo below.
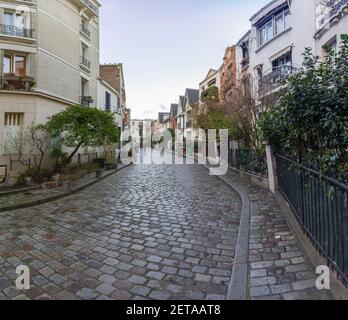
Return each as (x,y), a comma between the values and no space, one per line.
(148,232)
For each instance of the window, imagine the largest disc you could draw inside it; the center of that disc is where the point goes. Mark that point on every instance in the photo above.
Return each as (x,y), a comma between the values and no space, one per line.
(107,101)
(284,60)
(287,19)
(6,66)
(84,87)
(20,66)
(14,20)
(330,45)
(278,23)
(16,64)
(13,133)
(266,32)
(283,65)
(212,83)
(83,51)
(9,21)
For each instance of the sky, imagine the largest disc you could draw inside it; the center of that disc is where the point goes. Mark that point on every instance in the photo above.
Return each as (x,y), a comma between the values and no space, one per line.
(167,46)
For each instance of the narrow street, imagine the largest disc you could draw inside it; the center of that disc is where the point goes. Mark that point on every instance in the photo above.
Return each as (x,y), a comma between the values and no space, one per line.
(148,232)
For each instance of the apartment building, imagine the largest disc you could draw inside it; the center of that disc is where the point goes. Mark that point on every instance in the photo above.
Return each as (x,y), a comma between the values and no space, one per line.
(228,81)
(108,100)
(114,76)
(280,33)
(50,60)
(213,78)
(331,22)
(243,62)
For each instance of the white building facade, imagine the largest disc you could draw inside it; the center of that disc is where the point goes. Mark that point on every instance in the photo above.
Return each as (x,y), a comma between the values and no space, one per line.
(108,100)
(49,52)
(282,30)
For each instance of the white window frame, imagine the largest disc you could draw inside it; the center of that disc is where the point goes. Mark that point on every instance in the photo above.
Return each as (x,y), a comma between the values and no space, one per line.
(272,20)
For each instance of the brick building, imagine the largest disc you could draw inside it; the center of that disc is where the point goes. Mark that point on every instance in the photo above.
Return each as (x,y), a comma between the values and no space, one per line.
(228,81)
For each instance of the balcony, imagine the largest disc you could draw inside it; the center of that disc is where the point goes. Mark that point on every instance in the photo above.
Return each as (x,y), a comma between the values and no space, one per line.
(11,82)
(85,64)
(86,101)
(271,80)
(13,31)
(245,63)
(332,9)
(88,6)
(85,32)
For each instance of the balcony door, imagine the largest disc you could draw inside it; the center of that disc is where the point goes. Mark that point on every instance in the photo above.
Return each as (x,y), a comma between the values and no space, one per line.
(15,24)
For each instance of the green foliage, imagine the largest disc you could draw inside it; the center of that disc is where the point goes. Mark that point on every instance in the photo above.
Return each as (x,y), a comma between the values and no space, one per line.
(310,120)
(215,117)
(81,126)
(36,174)
(210,94)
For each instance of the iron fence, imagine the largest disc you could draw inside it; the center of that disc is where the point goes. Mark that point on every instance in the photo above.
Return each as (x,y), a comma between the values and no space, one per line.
(249,161)
(320,204)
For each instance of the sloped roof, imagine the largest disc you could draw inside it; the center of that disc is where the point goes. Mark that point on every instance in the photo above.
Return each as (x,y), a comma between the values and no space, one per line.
(265,10)
(182,102)
(174,110)
(163,117)
(192,96)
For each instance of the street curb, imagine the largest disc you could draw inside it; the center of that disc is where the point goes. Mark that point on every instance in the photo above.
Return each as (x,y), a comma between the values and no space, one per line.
(239,280)
(60,195)
(11,192)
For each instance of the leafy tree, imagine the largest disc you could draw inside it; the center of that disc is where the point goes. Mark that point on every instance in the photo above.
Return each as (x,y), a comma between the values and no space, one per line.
(80,126)
(33,147)
(210,94)
(212,117)
(310,120)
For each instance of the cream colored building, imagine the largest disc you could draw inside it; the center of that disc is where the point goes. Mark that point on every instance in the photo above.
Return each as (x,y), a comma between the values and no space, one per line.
(108,100)
(213,78)
(49,52)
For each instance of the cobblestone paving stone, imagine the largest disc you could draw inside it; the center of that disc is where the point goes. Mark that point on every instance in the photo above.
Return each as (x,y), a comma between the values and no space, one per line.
(148,232)
(278,269)
(38,194)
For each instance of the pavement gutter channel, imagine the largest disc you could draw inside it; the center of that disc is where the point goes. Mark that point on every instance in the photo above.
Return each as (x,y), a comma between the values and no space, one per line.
(238,287)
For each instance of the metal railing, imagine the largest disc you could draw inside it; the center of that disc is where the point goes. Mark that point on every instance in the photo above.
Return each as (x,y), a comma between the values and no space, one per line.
(85,62)
(15,83)
(86,100)
(249,161)
(334,7)
(14,31)
(271,79)
(91,5)
(320,204)
(85,31)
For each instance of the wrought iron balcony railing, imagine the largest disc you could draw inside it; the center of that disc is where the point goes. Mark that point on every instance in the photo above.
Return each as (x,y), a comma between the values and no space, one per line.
(86,100)
(14,31)
(333,7)
(85,62)
(85,31)
(272,80)
(91,5)
(11,82)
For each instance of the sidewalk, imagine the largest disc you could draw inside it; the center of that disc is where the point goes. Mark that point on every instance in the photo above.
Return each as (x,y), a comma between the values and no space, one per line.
(274,267)
(32,197)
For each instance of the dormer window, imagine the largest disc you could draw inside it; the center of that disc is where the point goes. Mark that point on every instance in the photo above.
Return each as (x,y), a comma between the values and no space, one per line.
(274,25)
